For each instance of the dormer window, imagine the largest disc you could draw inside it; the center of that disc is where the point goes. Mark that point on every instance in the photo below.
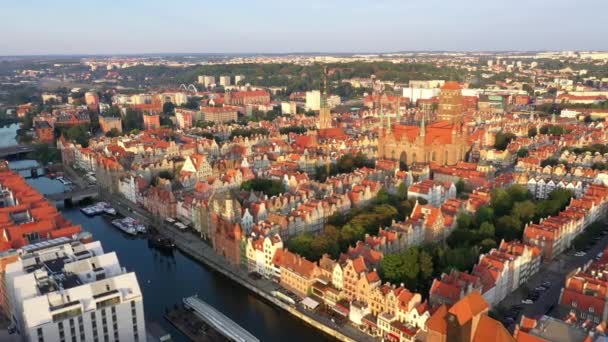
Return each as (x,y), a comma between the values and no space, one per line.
(573,304)
(591,309)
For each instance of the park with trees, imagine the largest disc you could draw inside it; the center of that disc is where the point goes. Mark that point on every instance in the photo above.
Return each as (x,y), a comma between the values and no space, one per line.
(504,218)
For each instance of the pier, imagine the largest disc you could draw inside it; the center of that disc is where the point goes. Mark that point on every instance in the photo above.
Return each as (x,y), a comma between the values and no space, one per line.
(218,321)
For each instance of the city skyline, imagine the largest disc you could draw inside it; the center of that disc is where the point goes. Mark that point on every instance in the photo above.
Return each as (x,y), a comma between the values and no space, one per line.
(312,27)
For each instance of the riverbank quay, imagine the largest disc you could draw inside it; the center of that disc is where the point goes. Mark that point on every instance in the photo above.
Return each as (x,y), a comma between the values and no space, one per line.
(202,252)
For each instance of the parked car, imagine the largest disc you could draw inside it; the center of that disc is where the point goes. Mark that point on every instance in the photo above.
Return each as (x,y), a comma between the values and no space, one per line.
(546,284)
(527,301)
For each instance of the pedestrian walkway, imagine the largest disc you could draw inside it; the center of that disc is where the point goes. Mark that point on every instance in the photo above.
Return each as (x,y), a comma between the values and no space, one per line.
(218,320)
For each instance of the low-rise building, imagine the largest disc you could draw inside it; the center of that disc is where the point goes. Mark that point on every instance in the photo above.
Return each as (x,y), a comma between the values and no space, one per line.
(44,132)
(220,114)
(108,123)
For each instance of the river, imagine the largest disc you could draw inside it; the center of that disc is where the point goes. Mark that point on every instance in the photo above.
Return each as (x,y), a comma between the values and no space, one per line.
(8,135)
(166,279)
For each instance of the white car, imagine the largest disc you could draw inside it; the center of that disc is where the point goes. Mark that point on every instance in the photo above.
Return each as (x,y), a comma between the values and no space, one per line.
(580,254)
(527,301)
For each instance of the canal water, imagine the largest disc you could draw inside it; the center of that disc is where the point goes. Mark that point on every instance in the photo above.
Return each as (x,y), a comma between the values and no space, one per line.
(8,135)
(166,279)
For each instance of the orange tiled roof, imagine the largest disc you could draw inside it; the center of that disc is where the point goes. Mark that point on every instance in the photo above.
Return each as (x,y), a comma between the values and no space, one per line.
(468,307)
(489,329)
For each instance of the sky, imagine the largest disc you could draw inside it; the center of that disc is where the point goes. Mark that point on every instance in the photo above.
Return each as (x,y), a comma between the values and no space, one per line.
(30,27)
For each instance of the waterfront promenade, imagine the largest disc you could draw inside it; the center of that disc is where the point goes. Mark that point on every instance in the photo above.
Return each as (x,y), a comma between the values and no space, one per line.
(198,249)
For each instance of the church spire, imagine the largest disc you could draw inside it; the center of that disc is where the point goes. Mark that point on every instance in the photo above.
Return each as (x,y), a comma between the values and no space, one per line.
(324,90)
(325,111)
(397,112)
(388,119)
(423,126)
(381,115)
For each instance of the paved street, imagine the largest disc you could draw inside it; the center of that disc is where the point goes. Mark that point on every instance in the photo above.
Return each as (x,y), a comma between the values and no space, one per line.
(554,272)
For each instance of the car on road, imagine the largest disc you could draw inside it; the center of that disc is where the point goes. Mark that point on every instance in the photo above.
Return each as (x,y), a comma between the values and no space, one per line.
(527,301)
(580,254)
(546,284)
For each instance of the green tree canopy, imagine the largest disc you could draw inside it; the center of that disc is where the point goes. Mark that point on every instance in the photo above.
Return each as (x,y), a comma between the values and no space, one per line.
(269,187)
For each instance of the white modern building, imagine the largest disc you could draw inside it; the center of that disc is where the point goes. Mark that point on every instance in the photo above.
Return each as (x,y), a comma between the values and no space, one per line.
(569,113)
(64,290)
(415,94)
(206,81)
(288,107)
(238,78)
(224,81)
(313,100)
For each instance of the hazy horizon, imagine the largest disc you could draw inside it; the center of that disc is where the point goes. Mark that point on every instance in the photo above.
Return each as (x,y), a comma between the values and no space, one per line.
(281,27)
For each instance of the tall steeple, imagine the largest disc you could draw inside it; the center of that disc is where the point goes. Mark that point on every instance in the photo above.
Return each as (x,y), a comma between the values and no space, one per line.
(381,115)
(325,111)
(423,126)
(388,121)
(397,112)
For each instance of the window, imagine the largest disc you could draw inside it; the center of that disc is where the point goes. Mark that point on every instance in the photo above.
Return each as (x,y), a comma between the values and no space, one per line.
(40,335)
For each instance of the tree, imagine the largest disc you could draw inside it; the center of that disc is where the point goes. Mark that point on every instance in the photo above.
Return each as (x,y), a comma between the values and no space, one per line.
(487,245)
(532,132)
(487,229)
(301,244)
(45,154)
(293,129)
(524,211)
(523,152)
(133,120)
(518,193)
(392,268)
(402,191)
(405,208)
(426,264)
(508,228)
(169,108)
(269,187)
(412,267)
(165,121)
(464,221)
(192,104)
(460,186)
(165,174)
(502,140)
(484,214)
(549,162)
(113,133)
(501,202)
(114,111)
(79,134)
